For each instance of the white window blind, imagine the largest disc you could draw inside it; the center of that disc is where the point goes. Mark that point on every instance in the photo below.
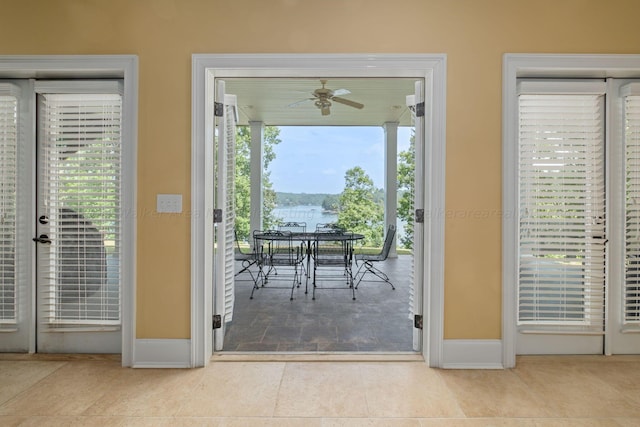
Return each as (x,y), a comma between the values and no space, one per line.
(561,209)
(80,154)
(631,292)
(8,183)
(229,208)
(416,123)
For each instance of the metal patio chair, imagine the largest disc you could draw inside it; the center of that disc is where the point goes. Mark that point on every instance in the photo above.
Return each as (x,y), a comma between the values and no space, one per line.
(281,256)
(297,227)
(247,258)
(369,260)
(332,260)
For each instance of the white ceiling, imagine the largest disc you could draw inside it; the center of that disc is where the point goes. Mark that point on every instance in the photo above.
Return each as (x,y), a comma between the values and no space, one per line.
(269,100)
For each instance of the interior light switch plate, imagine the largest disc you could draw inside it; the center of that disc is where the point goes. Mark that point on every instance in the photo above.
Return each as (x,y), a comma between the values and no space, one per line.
(169,203)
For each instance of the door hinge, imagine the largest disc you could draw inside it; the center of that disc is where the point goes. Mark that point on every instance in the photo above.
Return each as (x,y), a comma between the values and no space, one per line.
(420,109)
(417,321)
(217,321)
(419,216)
(217,215)
(218,109)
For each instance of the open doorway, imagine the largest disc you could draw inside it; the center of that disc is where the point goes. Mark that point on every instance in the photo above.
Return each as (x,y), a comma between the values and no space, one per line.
(314,176)
(416,68)
(342,170)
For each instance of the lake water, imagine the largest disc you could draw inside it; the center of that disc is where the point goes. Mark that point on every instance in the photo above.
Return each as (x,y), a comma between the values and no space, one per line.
(312,215)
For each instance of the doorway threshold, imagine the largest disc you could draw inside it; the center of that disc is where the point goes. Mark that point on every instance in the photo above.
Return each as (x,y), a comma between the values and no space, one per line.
(229,356)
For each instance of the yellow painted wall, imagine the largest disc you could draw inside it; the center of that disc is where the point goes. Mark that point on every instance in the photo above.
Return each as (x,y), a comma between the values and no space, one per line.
(473,33)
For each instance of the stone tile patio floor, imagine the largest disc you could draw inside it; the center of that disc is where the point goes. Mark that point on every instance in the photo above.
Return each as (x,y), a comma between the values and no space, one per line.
(377,321)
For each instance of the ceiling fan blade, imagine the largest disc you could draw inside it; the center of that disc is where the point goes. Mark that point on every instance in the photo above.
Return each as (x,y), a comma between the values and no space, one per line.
(341,92)
(302,101)
(325,111)
(348,102)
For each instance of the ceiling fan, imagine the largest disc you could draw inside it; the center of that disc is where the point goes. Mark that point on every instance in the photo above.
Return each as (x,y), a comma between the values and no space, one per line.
(323,96)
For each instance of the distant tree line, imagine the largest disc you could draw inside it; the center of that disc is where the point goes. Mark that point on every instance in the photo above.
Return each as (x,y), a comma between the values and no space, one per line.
(302,199)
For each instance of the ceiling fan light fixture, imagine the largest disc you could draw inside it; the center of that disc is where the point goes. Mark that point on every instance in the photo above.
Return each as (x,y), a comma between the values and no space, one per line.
(321,99)
(322,103)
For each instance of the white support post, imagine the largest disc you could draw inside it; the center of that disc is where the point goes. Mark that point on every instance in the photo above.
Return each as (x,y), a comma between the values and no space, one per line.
(256,160)
(391,179)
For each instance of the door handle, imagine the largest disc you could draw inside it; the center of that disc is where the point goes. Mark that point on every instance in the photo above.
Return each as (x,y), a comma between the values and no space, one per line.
(42,239)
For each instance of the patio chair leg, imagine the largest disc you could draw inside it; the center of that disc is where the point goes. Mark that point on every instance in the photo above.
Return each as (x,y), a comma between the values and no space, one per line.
(369,268)
(255,286)
(313,293)
(351,285)
(256,280)
(296,279)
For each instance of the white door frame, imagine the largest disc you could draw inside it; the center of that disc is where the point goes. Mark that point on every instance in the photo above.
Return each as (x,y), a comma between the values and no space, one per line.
(103,66)
(515,66)
(206,67)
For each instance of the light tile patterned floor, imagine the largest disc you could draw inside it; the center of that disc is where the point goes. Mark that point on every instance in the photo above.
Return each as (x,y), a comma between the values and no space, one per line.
(540,391)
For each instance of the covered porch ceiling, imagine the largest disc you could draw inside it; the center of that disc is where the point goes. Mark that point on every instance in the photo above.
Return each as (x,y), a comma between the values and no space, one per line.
(289,101)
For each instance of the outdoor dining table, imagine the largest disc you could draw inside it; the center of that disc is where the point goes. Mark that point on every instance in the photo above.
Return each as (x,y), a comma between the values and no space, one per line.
(309,236)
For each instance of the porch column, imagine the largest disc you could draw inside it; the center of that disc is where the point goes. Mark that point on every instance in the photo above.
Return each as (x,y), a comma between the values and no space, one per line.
(391,180)
(257,135)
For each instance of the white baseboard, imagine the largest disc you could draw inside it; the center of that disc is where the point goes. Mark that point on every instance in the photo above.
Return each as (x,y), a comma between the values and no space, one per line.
(162,353)
(457,354)
(472,354)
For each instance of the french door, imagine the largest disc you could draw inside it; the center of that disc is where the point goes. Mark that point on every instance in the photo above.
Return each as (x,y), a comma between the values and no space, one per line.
(63,242)
(577,290)
(225,143)
(16,228)
(419,181)
(622,329)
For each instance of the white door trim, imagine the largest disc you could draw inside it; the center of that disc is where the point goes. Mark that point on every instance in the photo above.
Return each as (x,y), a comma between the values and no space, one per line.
(104,66)
(515,66)
(205,67)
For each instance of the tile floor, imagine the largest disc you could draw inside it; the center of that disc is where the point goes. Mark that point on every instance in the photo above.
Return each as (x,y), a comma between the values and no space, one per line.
(377,321)
(540,391)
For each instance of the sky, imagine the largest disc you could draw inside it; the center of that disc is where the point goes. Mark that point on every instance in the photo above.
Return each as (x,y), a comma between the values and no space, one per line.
(315,159)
